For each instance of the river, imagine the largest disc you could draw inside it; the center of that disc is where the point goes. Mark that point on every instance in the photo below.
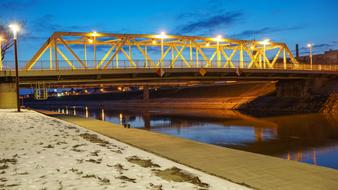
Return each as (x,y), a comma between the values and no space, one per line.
(309,138)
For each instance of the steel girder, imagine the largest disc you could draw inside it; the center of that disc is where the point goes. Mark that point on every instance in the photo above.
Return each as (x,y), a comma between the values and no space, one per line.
(170,50)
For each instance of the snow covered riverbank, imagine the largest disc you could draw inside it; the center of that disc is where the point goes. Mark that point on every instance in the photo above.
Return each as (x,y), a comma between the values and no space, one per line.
(40,152)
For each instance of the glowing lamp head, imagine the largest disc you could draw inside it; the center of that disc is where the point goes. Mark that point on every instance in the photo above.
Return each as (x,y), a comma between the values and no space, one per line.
(15,28)
(154,42)
(90,41)
(309,45)
(162,35)
(94,33)
(265,42)
(218,38)
(207,44)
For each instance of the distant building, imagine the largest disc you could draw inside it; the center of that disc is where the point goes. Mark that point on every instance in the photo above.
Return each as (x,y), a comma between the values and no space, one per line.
(328,57)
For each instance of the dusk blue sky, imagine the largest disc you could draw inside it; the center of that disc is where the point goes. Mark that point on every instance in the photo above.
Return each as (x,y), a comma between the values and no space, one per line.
(289,21)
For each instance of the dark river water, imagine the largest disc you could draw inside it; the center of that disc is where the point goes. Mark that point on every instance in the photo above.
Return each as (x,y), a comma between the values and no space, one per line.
(310,138)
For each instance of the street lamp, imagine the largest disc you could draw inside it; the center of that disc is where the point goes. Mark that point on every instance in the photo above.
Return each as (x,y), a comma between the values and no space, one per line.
(162,36)
(218,39)
(264,43)
(310,46)
(15,28)
(94,34)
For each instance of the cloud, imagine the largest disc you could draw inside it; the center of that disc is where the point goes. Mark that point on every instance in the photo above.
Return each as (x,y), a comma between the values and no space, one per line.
(43,27)
(265,30)
(47,23)
(17,5)
(205,22)
(318,48)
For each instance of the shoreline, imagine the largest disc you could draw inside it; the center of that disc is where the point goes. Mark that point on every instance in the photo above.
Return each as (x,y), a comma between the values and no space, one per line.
(237,166)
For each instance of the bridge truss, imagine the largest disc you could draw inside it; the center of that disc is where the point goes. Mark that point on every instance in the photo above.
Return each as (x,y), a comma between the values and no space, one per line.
(78,50)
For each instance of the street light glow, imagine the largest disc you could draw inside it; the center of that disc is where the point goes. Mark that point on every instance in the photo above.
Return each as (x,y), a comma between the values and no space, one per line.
(15,29)
(162,35)
(90,41)
(218,38)
(94,33)
(207,44)
(309,45)
(265,42)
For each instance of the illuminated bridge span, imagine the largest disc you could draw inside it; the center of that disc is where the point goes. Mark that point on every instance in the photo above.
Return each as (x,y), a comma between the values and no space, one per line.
(74,50)
(76,59)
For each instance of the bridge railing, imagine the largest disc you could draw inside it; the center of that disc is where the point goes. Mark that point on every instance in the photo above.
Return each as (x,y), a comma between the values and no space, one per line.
(143,64)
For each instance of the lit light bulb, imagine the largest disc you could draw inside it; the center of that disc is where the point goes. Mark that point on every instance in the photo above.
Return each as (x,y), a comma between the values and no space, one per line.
(265,42)
(219,38)
(162,35)
(94,33)
(15,29)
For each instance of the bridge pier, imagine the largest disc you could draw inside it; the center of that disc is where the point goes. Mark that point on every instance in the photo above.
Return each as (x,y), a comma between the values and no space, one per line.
(8,95)
(304,87)
(146,119)
(145,93)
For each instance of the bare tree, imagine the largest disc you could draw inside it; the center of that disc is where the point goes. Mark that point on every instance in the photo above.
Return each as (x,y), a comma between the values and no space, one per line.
(7,43)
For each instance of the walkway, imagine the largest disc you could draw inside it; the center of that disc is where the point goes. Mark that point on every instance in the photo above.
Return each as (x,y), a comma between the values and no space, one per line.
(254,170)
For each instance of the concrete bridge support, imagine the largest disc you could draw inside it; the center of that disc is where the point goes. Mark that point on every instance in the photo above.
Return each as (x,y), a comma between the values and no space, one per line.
(305,87)
(145,93)
(146,119)
(8,95)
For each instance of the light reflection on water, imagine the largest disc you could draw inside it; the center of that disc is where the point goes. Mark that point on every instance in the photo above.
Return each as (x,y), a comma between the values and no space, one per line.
(311,138)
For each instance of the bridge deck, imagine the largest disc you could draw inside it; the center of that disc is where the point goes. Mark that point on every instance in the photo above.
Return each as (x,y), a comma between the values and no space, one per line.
(156,75)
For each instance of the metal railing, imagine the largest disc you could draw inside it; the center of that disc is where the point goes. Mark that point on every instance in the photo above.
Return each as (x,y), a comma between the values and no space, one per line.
(144,64)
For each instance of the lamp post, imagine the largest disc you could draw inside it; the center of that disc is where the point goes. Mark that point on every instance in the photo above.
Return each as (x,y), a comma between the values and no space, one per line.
(264,43)
(94,34)
(1,40)
(162,36)
(310,46)
(15,29)
(218,39)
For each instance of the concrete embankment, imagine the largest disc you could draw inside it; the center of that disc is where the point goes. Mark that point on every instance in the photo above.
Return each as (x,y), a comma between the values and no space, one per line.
(254,170)
(331,105)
